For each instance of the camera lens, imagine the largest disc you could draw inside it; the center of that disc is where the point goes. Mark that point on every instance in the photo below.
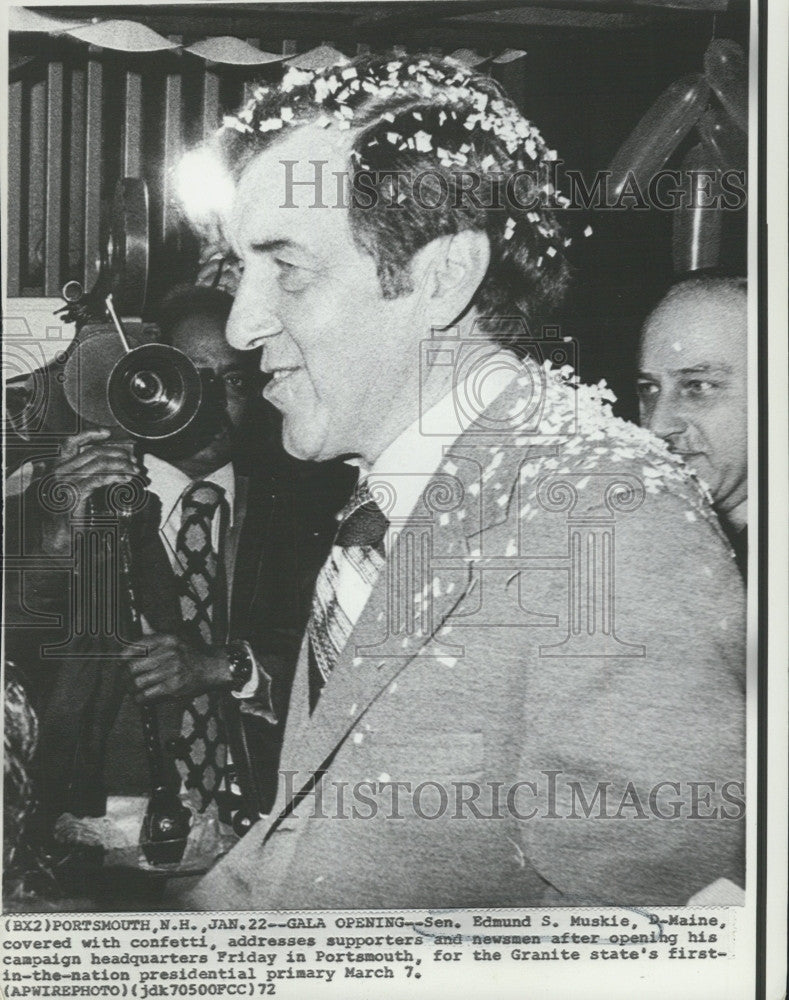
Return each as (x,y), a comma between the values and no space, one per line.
(154,391)
(146,387)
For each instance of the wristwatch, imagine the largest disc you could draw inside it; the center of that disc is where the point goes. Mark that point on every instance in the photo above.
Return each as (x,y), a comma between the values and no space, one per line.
(241,660)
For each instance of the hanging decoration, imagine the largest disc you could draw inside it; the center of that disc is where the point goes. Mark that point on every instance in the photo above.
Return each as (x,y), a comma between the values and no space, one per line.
(728,146)
(715,104)
(468,57)
(651,143)
(24,19)
(510,55)
(725,68)
(122,36)
(696,235)
(317,58)
(229,51)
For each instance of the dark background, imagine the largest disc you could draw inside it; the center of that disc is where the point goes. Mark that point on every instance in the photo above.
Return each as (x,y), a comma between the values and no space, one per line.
(80,117)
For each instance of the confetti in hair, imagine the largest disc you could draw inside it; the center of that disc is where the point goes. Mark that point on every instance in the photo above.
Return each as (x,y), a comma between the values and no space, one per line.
(465,101)
(419,115)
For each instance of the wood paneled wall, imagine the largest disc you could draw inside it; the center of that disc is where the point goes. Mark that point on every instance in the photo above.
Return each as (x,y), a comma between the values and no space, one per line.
(80,119)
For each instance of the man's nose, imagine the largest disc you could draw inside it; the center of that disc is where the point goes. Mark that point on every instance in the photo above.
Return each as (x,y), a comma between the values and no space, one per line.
(666,419)
(251,321)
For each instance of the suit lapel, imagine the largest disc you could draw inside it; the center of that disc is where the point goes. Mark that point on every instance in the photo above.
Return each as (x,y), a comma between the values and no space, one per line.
(468,494)
(154,584)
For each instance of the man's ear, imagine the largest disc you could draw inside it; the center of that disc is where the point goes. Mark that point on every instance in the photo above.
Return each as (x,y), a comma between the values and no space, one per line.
(449,270)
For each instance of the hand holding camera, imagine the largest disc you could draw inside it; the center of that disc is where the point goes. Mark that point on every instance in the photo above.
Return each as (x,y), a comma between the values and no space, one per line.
(88,461)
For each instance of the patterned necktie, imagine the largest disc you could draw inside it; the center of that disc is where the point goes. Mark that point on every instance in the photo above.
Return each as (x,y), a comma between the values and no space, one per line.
(202,756)
(357,556)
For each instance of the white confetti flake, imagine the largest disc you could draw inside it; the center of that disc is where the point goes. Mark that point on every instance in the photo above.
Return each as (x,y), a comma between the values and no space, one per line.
(296,78)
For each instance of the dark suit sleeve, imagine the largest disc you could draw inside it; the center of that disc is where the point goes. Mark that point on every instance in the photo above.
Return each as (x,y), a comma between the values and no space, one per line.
(287,534)
(649,744)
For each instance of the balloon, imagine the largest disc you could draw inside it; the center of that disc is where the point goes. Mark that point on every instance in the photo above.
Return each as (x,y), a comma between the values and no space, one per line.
(696,239)
(726,72)
(724,141)
(659,132)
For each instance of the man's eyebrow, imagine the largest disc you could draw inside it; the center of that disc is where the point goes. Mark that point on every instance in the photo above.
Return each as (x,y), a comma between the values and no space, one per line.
(271,246)
(703,369)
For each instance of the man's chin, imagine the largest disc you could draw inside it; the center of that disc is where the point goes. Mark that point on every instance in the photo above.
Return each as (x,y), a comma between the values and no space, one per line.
(305,447)
(298,449)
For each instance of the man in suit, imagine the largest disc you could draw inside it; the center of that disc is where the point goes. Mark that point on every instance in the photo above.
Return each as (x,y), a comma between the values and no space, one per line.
(517,665)
(693,390)
(91,740)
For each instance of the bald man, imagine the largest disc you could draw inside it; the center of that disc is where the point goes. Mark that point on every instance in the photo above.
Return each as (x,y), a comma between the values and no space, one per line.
(692,389)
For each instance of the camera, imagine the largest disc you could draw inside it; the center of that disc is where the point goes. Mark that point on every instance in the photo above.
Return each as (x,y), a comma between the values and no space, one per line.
(115,374)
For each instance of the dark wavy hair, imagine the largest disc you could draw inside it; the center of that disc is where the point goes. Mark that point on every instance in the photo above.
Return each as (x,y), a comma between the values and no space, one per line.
(433,119)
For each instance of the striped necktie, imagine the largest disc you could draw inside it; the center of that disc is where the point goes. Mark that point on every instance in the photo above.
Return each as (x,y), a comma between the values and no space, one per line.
(344,585)
(203,599)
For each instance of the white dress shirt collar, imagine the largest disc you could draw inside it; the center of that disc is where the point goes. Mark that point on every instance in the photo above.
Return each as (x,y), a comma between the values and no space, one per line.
(412,459)
(169,484)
